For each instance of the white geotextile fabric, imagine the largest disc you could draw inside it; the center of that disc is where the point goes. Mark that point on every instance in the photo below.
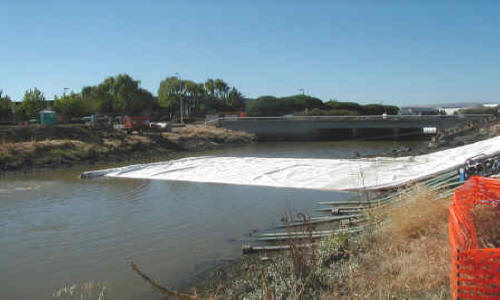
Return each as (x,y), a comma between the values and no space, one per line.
(329,174)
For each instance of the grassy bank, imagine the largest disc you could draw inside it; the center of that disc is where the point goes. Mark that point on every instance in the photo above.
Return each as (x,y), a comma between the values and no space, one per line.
(404,254)
(90,146)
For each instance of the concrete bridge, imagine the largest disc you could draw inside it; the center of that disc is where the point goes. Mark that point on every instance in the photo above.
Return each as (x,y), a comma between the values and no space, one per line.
(344,127)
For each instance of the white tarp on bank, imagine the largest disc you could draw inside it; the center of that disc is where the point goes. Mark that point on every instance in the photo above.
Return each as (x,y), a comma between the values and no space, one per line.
(334,174)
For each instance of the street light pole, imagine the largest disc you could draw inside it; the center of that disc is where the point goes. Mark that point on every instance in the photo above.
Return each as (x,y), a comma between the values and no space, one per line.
(182,102)
(302,90)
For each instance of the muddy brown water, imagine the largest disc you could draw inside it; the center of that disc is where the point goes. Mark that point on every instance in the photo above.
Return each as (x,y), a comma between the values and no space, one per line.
(57,230)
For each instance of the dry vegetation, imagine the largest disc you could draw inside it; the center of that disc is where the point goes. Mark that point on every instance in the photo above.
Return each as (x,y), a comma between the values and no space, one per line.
(56,152)
(200,137)
(91,146)
(406,255)
(486,219)
(37,146)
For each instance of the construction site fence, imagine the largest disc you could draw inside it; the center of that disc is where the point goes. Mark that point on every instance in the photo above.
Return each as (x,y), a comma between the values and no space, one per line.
(474,270)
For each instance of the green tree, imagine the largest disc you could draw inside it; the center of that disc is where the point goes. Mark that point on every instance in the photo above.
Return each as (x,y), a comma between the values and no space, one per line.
(70,106)
(269,106)
(128,97)
(221,90)
(170,92)
(302,102)
(222,95)
(195,97)
(33,103)
(198,98)
(5,107)
(99,98)
(210,87)
(339,105)
(118,94)
(218,94)
(378,109)
(143,101)
(236,100)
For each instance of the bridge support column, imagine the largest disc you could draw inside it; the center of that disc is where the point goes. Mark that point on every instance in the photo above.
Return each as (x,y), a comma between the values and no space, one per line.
(354,132)
(395,133)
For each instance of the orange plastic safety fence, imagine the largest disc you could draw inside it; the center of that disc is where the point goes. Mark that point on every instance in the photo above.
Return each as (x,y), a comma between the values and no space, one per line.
(475,272)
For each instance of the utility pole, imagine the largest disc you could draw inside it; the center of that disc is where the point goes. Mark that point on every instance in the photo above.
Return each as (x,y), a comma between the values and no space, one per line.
(182,102)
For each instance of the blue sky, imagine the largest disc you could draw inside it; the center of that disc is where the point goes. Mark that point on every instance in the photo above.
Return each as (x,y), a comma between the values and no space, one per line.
(391,52)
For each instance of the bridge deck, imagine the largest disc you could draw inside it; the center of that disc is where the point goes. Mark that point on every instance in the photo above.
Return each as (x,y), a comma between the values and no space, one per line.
(336,127)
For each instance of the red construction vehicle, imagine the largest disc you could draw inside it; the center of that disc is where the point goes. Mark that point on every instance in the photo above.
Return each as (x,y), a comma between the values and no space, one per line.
(130,124)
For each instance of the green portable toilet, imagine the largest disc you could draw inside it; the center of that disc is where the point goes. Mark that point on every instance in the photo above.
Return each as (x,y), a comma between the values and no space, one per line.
(48,117)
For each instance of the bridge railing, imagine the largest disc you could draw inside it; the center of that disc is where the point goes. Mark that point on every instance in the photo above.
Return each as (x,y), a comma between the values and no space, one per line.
(341,118)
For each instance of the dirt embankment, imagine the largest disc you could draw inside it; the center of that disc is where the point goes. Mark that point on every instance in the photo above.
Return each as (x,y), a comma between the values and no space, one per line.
(467,134)
(196,138)
(451,138)
(30,148)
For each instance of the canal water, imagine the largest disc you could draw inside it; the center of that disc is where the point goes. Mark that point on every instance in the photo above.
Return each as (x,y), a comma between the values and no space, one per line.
(57,230)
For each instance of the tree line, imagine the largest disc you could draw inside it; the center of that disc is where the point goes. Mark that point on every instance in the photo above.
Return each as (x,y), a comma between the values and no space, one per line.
(123,95)
(33,102)
(310,106)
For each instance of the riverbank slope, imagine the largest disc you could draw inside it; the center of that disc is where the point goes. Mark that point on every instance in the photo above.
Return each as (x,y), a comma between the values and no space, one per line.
(402,254)
(40,148)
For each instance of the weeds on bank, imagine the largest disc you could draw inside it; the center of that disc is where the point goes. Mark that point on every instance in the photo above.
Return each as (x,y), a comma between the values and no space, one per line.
(209,133)
(302,272)
(50,152)
(406,254)
(486,219)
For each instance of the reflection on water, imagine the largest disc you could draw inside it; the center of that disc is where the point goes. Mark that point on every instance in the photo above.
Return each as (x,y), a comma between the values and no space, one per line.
(57,230)
(82,291)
